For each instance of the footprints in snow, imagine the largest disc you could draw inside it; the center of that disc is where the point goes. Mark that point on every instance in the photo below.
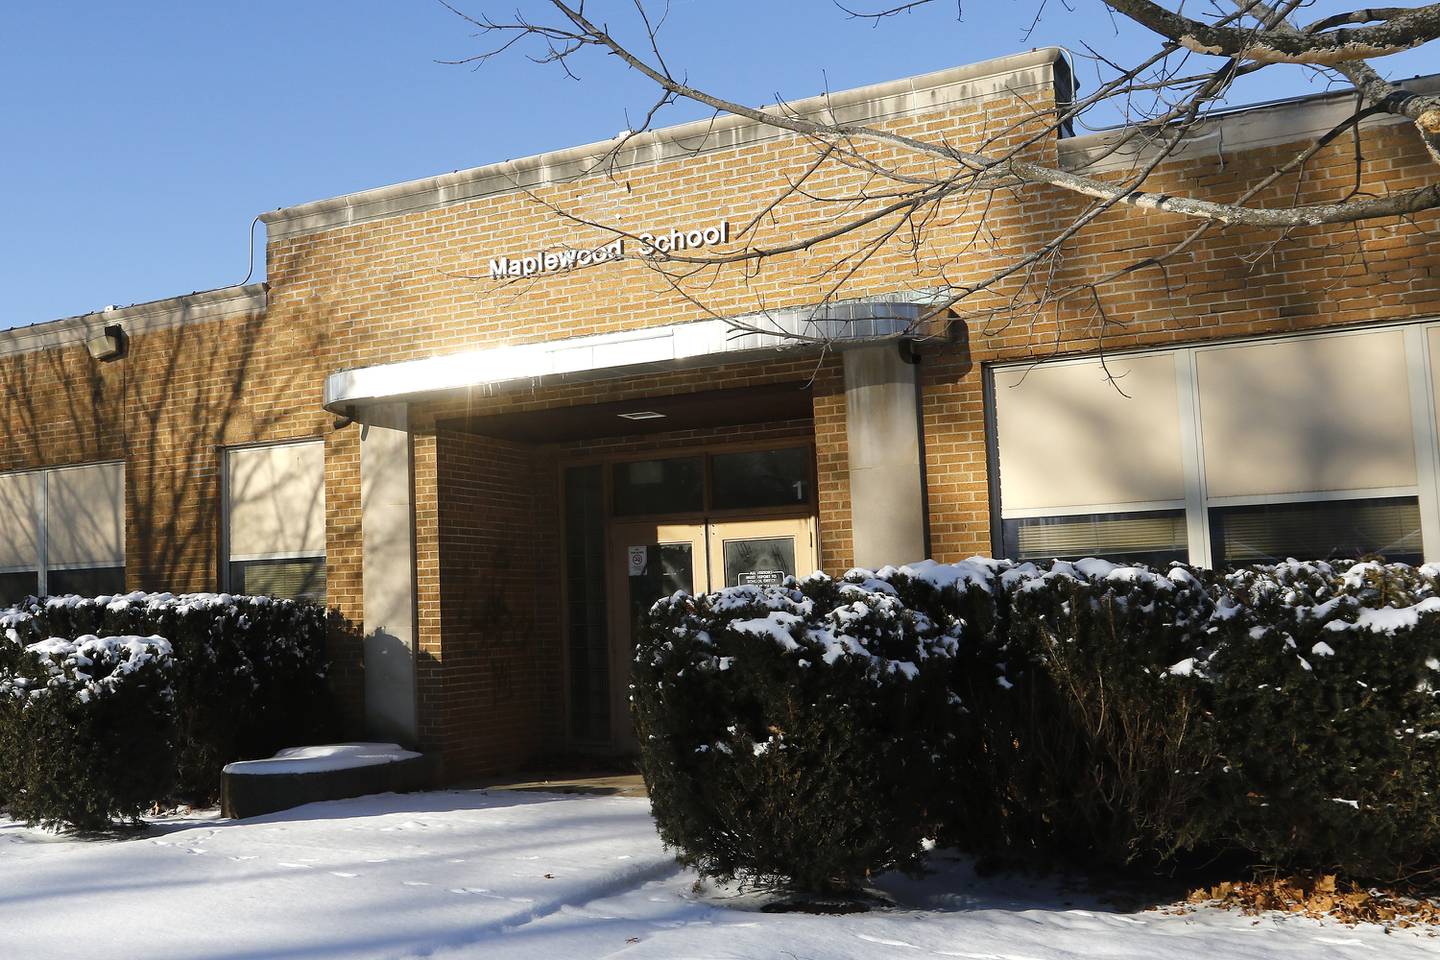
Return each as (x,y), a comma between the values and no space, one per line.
(310,863)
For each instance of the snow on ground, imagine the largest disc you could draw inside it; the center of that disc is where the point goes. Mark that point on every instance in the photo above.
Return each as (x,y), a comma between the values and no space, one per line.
(463,874)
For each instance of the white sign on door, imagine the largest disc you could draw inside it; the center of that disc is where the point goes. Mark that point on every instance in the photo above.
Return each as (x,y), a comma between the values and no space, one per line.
(638,561)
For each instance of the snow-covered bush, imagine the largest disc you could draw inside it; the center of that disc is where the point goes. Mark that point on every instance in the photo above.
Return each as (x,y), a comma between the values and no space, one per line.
(1327,708)
(1083,712)
(249,672)
(1093,747)
(790,734)
(87,729)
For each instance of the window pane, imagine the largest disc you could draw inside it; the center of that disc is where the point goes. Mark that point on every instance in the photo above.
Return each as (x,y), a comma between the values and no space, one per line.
(588,638)
(1151,538)
(761,478)
(760,561)
(299,579)
(91,582)
(1057,423)
(19,520)
(277,499)
(669,568)
(1348,529)
(86,516)
(16,586)
(1310,413)
(659,486)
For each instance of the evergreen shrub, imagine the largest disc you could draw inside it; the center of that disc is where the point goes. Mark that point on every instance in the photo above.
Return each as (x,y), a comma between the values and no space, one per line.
(1080,712)
(248,672)
(1326,711)
(87,730)
(786,733)
(1093,749)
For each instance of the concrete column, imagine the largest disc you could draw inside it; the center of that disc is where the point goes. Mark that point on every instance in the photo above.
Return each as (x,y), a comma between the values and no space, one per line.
(887,461)
(387,529)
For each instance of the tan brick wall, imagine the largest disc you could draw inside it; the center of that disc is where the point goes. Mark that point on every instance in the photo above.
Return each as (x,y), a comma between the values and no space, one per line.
(168,409)
(406,287)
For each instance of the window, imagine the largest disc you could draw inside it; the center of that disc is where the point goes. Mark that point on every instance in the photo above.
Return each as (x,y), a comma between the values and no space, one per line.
(1308,446)
(21,506)
(275,511)
(1306,415)
(676,485)
(1154,538)
(1083,433)
(1346,529)
(775,479)
(62,530)
(587,639)
(760,478)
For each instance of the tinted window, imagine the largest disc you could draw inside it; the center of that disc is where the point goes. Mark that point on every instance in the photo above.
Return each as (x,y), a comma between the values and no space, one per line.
(91,582)
(760,478)
(587,638)
(16,586)
(1341,529)
(298,579)
(759,561)
(659,486)
(1154,538)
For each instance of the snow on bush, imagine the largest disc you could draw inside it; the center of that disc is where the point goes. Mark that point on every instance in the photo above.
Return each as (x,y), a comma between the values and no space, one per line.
(785,730)
(87,729)
(1082,711)
(249,672)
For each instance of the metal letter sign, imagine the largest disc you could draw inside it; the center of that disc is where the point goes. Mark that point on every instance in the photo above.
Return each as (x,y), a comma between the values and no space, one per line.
(558,260)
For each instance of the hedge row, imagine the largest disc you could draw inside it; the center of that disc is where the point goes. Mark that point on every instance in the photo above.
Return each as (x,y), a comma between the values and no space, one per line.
(827,729)
(234,677)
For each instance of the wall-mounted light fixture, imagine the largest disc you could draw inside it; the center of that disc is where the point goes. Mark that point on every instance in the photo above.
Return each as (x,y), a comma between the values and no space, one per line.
(110,344)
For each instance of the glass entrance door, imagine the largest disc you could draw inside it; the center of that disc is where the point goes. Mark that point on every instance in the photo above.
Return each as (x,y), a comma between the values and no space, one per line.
(654,560)
(649,561)
(760,552)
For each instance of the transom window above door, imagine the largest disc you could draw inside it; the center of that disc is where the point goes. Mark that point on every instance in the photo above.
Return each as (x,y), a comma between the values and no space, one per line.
(777,479)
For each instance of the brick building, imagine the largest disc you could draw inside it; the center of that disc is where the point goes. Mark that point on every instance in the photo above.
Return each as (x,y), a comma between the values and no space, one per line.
(488,476)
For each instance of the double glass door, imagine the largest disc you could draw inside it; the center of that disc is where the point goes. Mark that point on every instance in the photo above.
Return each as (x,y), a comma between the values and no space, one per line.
(652,560)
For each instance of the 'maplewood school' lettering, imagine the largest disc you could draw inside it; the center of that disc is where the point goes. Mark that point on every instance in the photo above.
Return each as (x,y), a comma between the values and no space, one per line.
(651,244)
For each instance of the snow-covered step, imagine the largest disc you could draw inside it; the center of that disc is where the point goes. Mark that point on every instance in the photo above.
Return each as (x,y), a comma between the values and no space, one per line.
(332,771)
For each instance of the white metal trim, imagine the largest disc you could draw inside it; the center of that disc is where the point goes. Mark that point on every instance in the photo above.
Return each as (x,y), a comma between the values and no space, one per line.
(1192,453)
(1427,444)
(261,557)
(42,495)
(1313,496)
(674,346)
(1085,509)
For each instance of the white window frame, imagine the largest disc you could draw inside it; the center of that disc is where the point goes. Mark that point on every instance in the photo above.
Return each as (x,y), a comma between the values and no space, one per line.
(227,558)
(41,506)
(1422,376)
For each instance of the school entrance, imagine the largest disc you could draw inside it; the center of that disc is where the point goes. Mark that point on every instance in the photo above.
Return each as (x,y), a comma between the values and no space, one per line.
(694,522)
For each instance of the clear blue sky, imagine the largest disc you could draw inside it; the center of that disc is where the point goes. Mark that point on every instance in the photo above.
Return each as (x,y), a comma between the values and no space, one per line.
(140,138)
